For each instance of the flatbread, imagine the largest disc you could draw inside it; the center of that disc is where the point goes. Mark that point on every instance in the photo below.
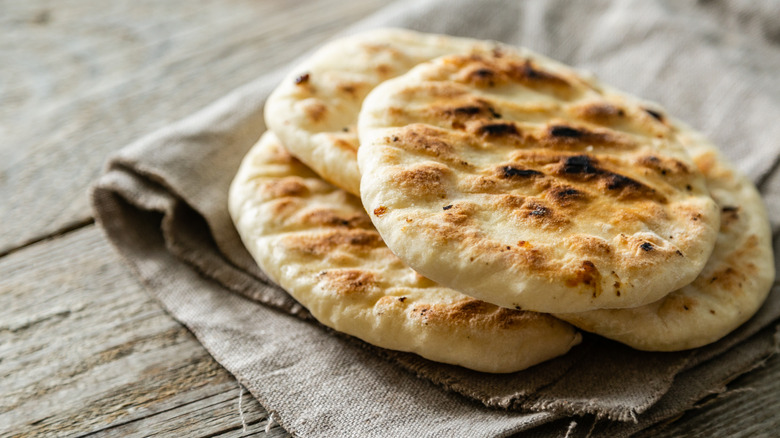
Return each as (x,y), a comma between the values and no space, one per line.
(318,244)
(518,181)
(314,110)
(730,289)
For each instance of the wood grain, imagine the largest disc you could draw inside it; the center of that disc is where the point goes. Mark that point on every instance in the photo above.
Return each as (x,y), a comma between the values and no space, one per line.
(748,409)
(81,79)
(84,349)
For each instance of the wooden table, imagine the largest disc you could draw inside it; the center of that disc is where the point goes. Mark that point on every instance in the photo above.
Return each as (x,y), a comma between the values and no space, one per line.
(83,349)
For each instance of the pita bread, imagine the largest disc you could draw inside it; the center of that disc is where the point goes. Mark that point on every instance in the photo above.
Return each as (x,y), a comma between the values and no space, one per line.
(730,289)
(318,244)
(517,181)
(314,110)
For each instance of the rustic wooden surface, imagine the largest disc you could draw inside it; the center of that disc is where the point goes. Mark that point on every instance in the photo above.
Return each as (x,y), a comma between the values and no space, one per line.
(83,349)
(82,78)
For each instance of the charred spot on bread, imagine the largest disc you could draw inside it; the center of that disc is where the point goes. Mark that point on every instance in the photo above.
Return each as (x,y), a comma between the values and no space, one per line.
(579,165)
(538,210)
(474,109)
(668,167)
(566,131)
(483,73)
(536,214)
(565,136)
(516,172)
(530,71)
(302,79)
(498,129)
(586,168)
(647,246)
(470,110)
(616,181)
(654,114)
(486,71)
(566,196)
(729,215)
(495,114)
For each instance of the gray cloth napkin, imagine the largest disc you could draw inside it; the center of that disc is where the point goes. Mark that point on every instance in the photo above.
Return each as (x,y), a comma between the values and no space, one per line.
(162,203)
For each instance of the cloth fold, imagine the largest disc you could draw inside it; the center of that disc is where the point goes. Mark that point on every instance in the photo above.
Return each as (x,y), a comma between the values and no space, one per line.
(162,203)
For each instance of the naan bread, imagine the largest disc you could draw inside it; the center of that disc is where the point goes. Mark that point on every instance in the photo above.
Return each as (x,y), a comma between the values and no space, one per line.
(318,244)
(730,289)
(314,110)
(515,180)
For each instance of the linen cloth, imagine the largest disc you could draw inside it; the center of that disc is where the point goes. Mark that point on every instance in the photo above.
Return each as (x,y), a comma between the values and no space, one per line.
(163,204)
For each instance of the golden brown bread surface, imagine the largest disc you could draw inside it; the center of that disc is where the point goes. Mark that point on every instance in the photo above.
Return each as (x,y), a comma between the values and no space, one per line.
(519,182)
(734,283)
(317,242)
(314,110)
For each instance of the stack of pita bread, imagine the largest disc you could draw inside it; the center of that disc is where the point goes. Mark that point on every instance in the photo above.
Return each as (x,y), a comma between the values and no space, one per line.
(477,204)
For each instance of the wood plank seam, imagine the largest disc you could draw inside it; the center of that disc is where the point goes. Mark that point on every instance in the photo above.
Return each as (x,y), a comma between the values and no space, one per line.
(153,414)
(62,231)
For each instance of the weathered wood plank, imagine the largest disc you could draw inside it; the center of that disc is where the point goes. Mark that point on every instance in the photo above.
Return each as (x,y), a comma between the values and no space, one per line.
(81,79)
(84,349)
(748,409)
(215,416)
